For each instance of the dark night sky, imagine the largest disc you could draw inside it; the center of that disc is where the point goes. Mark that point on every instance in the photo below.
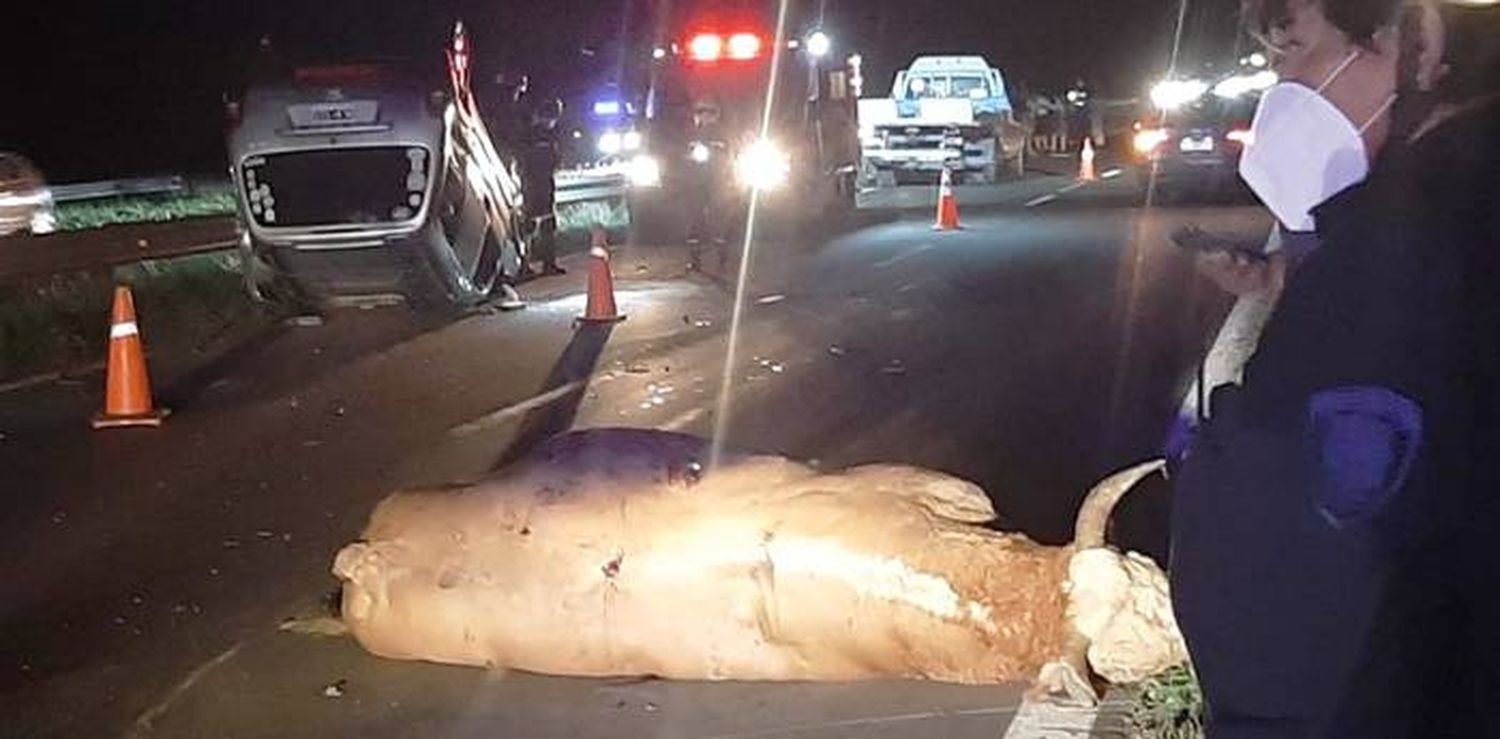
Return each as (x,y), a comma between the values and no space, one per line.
(98,89)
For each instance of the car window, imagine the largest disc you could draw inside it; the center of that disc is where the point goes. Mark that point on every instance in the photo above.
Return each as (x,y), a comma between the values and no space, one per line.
(971,87)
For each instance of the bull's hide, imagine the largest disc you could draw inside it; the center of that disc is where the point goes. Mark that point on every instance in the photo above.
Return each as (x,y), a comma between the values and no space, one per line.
(611,552)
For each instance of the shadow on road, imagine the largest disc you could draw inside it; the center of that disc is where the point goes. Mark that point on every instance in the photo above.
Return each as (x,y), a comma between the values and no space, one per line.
(286,358)
(573,369)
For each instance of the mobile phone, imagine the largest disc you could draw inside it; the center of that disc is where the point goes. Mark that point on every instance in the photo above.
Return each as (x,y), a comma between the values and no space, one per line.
(1193,238)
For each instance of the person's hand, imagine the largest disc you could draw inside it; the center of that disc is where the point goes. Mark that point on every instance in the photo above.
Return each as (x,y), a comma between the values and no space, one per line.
(1240,276)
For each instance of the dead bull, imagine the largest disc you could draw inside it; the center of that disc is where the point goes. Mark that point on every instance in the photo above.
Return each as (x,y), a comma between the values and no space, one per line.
(611,552)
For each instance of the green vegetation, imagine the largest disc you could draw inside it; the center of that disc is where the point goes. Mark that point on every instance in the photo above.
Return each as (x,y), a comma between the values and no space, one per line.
(1169,706)
(89,214)
(60,322)
(580,218)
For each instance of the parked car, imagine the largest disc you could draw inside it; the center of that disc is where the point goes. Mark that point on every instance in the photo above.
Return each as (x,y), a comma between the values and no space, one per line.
(25,200)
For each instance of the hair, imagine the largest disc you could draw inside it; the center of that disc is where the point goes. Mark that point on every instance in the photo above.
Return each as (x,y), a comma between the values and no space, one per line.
(1472,50)
(1360,19)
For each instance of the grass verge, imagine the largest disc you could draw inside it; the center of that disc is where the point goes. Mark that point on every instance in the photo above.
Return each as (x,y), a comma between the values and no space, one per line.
(84,215)
(59,323)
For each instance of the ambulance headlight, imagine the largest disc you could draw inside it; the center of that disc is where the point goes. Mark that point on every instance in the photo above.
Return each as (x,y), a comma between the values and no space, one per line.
(611,143)
(763,166)
(644,171)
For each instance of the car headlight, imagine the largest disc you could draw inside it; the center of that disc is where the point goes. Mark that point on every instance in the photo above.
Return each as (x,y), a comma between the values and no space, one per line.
(644,171)
(1148,139)
(43,220)
(631,141)
(611,143)
(700,153)
(763,166)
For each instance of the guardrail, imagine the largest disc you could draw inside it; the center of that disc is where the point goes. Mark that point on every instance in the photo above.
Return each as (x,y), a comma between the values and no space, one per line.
(583,185)
(118,188)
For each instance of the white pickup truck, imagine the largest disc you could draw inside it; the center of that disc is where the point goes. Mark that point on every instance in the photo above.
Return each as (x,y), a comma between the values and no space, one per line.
(944,112)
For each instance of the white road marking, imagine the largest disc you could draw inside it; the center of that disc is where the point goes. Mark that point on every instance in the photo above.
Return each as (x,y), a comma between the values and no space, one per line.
(871,721)
(899,258)
(1072,187)
(499,417)
(684,420)
(1043,200)
(144,723)
(1110,174)
(1048,721)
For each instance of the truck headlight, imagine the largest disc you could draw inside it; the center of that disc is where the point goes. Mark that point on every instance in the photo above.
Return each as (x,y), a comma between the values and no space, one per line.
(763,166)
(644,171)
(611,143)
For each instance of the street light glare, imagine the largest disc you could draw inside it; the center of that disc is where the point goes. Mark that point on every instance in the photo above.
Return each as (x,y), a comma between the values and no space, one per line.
(819,44)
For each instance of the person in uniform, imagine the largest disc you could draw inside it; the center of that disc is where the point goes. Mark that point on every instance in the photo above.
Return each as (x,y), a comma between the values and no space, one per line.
(539,163)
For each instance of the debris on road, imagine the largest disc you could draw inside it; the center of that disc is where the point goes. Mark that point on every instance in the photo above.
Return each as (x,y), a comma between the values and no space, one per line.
(771,299)
(651,708)
(306,321)
(770,364)
(893,367)
(837,350)
(638,369)
(335,689)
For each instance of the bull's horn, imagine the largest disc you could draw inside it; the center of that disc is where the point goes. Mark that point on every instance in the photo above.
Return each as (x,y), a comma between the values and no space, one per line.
(1094,515)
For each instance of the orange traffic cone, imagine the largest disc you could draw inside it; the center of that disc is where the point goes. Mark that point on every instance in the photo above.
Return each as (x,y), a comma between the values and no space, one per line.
(127,389)
(947,209)
(1086,171)
(601,307)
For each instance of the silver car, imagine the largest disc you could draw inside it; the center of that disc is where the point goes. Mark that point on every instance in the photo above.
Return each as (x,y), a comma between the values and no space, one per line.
(25,200)
(359,180)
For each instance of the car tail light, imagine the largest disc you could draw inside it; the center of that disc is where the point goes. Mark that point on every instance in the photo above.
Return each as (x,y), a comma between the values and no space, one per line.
(706,47)
(1241,136)
(744,46)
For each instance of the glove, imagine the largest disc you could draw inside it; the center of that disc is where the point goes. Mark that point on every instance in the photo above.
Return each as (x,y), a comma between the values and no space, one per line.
(1179,442)
(1366,440)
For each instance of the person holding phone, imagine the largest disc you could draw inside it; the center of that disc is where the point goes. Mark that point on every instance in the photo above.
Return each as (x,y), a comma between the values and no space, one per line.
(1331,518)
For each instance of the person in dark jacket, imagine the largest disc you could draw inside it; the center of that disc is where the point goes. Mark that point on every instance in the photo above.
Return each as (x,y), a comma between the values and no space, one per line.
(710,198)
(539,163)
(1331,521)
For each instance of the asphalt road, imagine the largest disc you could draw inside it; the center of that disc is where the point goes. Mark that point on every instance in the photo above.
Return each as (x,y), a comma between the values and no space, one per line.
(1034,352)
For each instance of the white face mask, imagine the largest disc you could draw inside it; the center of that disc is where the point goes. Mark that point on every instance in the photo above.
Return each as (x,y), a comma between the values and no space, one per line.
(1303,150)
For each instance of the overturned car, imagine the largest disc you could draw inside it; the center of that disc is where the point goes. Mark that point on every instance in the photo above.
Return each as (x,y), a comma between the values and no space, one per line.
(370,180)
